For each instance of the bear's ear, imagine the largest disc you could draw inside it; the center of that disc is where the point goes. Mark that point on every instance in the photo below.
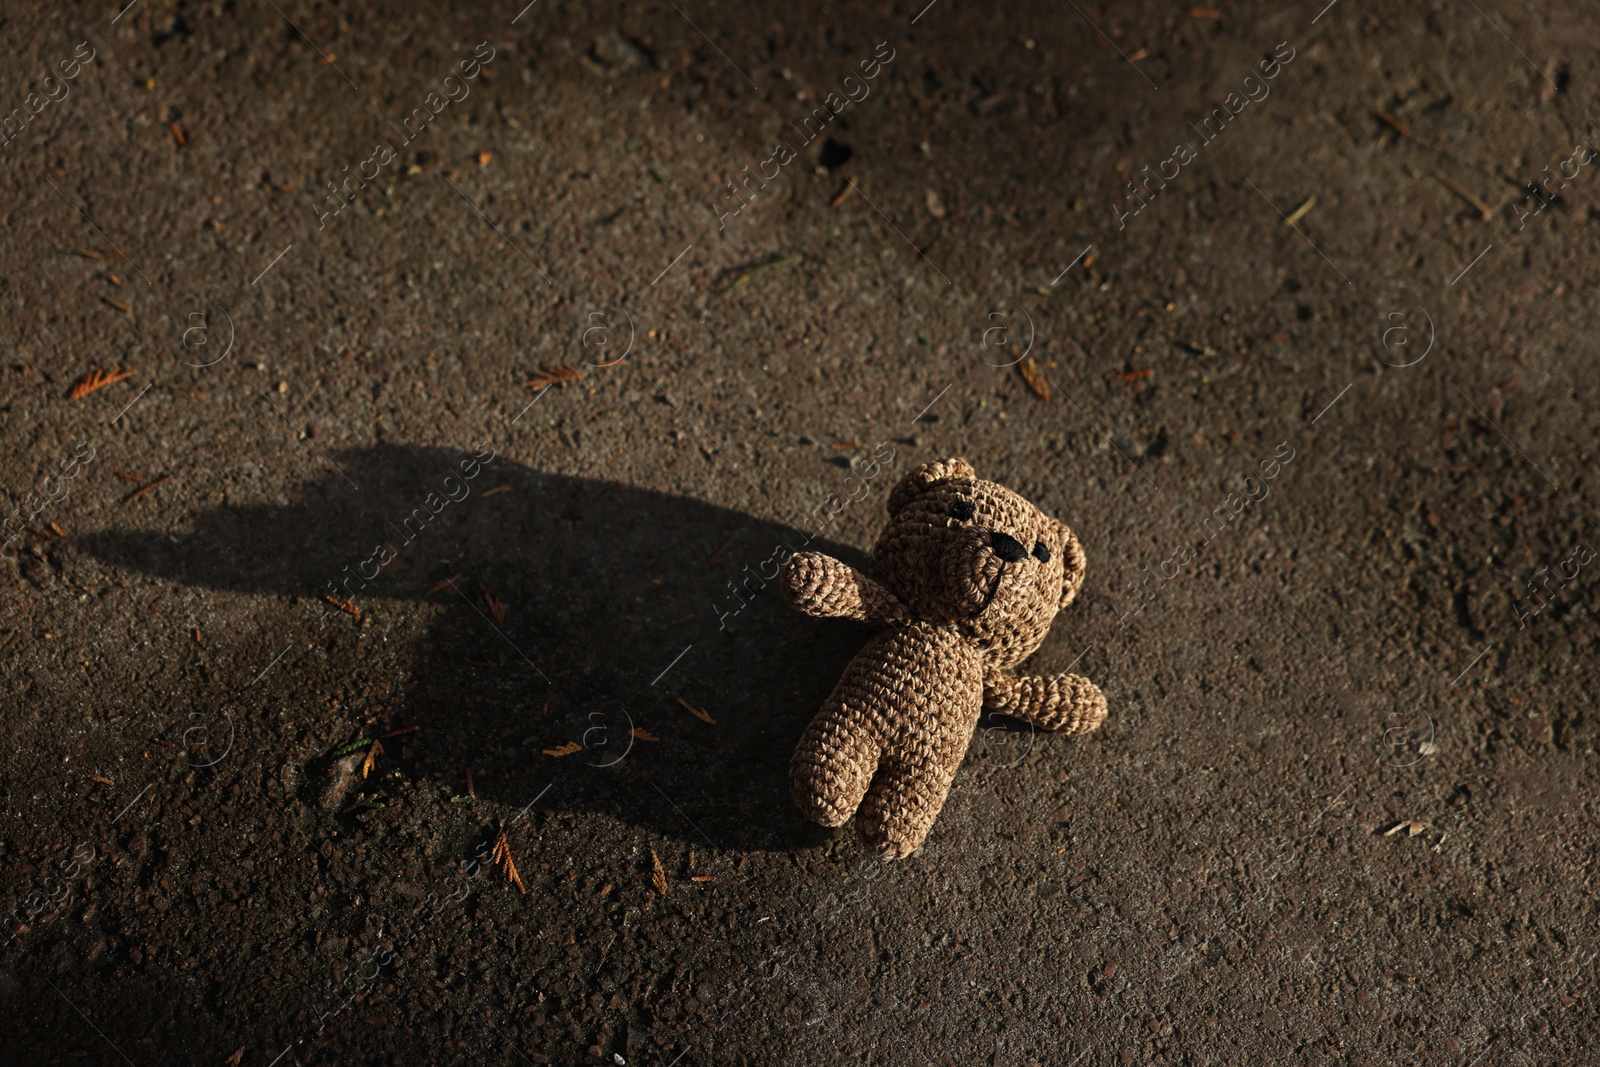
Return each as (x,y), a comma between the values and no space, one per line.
(1073,564)
(926,477)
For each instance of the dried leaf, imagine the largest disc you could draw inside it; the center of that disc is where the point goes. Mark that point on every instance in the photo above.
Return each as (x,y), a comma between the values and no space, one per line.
(484,157)
(699,713)
(659,877)
(563,750)
(498,489)
(702,878)
(372,758)
(642,734)
(94,380)
(119,305)
(502,856)
(1135,375)
(553,376)
(237,1058)
(102,781)
(1413,827)
(402,730)
(1034,377)
(177,134)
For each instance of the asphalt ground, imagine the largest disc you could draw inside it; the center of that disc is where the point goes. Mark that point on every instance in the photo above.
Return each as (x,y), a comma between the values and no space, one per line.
(1321,407)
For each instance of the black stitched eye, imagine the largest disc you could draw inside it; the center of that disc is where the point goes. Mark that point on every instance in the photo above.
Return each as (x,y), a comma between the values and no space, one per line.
(1040,552)
(962,510)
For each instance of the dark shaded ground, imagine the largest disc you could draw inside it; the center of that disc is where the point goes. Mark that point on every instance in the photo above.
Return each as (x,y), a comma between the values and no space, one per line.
(1341,812)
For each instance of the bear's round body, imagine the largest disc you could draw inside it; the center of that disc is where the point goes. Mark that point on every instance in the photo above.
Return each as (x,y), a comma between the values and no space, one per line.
(901,717)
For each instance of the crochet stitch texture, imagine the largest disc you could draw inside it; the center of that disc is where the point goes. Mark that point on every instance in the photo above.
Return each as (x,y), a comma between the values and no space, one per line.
(965,581)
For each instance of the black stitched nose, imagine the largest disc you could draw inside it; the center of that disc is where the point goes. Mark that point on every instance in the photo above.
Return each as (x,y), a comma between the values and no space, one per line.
(1007,547)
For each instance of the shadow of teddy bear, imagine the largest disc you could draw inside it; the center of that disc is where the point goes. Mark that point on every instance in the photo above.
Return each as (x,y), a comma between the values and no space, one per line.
(579,609)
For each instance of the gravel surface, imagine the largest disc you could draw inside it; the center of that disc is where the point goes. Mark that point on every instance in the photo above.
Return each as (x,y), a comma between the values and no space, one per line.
(527,336)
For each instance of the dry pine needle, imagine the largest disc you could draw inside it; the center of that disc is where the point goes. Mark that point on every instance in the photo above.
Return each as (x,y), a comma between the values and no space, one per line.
(502,856)
(658,877)
(553,376)
(96,379)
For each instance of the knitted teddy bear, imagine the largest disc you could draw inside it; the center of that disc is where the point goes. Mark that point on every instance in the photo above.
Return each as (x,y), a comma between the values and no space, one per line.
(965,580)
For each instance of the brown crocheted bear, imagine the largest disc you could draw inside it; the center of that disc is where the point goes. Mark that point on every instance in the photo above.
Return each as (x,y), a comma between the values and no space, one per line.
(966,578)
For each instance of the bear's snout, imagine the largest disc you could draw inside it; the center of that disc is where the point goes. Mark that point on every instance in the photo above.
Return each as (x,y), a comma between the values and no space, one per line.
(1007,547)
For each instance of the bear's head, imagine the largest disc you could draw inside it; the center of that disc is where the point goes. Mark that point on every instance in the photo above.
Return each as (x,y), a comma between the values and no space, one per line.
(976,557)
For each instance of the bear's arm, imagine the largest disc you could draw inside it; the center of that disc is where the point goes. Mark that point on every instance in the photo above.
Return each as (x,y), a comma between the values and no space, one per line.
(820,585)
(1067,702)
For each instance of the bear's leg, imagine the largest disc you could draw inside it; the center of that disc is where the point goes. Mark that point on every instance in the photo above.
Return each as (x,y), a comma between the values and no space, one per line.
(832,768)
(902,804)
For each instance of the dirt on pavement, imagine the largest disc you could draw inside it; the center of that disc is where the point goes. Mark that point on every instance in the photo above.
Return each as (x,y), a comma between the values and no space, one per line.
(480,359)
